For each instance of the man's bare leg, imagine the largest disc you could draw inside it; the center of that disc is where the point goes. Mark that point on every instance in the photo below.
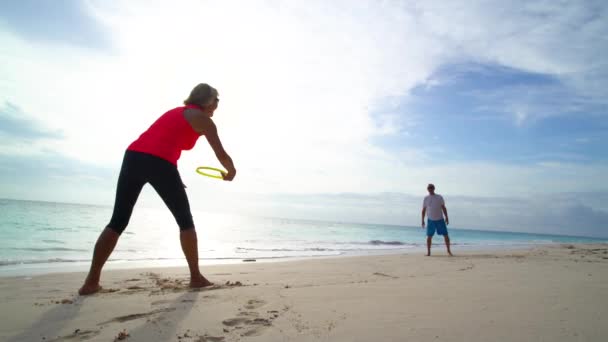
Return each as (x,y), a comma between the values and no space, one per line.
(189,243)
(103,248)
(447,244)
(429,239)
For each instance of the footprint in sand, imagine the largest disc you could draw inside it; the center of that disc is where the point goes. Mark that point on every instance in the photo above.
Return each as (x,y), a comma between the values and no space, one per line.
(161,302)
(251,326)
(257,327)
(248,314)
(77,335)
(110,290)
(233,322)
(136,288)
(385,275)
(133,289)
(249,323)
(207,338)
(121,319)
(254,304)
(63,301)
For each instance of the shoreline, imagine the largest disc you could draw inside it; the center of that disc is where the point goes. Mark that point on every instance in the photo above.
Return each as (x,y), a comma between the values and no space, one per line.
(38,269)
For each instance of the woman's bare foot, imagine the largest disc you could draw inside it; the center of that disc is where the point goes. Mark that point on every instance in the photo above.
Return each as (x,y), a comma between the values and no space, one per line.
(88,289)
(199,281)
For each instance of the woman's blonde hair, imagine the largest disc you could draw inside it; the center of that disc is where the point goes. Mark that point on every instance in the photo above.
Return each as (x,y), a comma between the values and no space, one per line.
(201,95)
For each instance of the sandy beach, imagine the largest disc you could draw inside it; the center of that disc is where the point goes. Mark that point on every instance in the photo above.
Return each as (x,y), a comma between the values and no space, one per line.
(549,293)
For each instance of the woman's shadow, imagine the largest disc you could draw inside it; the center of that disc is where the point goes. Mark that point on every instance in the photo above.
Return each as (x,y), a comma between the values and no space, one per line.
(161,327)
(164,325)
(51,322)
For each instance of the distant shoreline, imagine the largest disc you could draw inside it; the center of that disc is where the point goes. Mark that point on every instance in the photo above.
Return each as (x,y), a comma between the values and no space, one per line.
(82,266)
(109,206)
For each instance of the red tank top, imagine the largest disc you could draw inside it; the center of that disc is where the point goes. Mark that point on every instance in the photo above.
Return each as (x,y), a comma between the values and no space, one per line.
(168,136)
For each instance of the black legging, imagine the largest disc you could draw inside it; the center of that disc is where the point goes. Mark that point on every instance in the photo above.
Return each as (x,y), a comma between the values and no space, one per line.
(138,169)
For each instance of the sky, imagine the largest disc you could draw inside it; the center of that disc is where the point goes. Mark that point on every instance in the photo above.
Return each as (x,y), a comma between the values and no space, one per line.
(331,110)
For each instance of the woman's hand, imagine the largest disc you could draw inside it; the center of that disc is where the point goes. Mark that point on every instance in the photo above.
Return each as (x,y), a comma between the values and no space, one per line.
(229,176)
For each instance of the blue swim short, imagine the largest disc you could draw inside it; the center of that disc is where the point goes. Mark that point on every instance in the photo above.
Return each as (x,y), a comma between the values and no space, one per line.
(439,226)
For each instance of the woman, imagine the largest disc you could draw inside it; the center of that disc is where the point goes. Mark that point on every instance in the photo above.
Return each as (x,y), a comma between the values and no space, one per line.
(152,158)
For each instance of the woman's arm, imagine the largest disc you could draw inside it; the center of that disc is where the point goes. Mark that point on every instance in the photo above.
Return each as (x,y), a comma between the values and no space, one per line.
(207,127)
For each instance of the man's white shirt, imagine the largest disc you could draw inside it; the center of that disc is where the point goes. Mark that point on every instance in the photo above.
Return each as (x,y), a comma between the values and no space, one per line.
(433,204)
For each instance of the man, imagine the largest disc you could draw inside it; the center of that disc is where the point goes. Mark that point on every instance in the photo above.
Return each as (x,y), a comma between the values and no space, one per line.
(436,209)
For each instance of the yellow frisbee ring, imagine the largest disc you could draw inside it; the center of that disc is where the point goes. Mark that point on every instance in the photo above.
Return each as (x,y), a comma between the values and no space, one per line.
(200,171)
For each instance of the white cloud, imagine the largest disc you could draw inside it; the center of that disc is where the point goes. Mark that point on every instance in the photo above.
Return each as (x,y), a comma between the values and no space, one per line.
(300,82)
(561,39)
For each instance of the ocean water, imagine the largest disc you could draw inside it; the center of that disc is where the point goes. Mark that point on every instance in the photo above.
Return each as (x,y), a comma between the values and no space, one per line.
(45,237)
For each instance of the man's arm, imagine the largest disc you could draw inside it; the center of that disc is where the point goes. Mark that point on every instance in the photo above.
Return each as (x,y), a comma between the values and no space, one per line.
(423,213)
(445,212)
